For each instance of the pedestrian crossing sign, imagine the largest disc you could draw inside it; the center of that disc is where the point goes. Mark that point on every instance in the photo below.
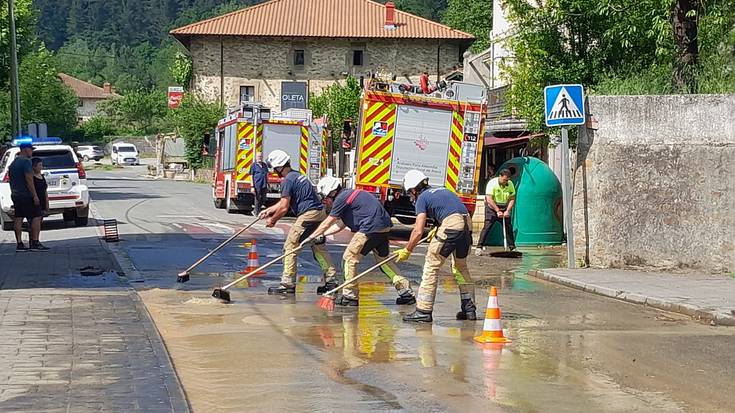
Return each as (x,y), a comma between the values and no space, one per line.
(564,105)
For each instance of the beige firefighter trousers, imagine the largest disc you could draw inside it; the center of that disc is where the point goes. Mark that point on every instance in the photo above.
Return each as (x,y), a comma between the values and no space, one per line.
(434,261)
(308,221)
(353,256)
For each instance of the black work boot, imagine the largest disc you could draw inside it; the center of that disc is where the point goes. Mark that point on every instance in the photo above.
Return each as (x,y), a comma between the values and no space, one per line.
(406,298)
(418,316)
(328,286)
(469,310)
(282,290)
(347,301)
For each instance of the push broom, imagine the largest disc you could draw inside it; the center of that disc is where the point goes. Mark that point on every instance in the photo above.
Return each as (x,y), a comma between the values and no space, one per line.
(184,275)
(326,302)
(224,295)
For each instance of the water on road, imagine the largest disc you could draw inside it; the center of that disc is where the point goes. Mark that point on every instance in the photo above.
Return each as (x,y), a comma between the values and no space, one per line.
(571,351)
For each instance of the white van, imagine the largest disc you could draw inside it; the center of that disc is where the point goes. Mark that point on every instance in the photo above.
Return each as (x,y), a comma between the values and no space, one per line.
(124,154)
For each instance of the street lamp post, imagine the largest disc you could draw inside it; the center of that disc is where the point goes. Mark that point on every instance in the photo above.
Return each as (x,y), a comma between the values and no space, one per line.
(15,86)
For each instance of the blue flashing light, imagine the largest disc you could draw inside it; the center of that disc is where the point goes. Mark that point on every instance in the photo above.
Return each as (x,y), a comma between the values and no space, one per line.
(36,141)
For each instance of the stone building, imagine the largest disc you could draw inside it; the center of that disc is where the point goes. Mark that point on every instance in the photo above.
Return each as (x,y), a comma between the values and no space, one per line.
(276,51)
(89,95)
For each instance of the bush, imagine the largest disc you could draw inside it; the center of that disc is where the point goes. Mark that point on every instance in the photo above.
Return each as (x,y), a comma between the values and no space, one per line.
(193,119)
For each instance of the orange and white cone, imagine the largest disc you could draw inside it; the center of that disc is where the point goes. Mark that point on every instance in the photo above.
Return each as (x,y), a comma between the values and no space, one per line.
(253,261)
(492,331)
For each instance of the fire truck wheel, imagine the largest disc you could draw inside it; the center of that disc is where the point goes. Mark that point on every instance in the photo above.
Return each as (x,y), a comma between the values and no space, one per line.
(219,203)
(230,205)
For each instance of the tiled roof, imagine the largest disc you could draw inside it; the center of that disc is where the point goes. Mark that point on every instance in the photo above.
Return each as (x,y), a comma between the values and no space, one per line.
(84,89)
(320,18)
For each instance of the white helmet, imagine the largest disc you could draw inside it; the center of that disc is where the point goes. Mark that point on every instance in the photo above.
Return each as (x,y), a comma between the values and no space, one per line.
(277,159)
(327,184)
(413,178)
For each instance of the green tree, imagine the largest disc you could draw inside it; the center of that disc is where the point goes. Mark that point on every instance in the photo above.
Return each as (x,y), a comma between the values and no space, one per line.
(44,97)
(97,127)
(25,26)
(139,112)
(192,120)
(471,16)
(339,102)
(181,69)
(614,46)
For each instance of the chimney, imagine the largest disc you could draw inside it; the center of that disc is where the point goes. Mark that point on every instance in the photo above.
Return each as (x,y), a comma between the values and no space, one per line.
(390,16)
(107,88)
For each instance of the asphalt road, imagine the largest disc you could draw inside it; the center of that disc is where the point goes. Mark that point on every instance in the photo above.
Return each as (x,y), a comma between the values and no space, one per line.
(571,351)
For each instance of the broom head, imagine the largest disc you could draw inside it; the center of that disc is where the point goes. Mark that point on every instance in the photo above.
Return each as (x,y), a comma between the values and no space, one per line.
(326,302)
(183,277)
(221,294)
(507,254)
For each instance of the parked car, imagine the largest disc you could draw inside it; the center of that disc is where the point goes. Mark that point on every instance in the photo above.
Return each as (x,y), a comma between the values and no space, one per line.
(125,154)
(87,152)
(67,182)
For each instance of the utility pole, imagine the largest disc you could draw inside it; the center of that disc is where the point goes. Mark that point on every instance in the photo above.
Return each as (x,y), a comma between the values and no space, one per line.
(14,83)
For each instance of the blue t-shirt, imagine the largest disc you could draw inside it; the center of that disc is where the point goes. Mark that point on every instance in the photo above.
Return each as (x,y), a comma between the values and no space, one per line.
(364,214)
(301,192)
(17,172)
(439,203)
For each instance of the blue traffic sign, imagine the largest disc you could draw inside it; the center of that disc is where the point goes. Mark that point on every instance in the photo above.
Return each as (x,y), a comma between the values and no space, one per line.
(564,105)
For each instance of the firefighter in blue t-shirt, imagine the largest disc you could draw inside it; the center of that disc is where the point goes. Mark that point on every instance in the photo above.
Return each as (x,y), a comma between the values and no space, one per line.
(453,238)
(362,214)
(297,194)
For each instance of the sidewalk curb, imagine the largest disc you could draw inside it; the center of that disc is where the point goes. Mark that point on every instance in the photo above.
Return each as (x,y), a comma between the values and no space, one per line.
(699,313)
(179,401)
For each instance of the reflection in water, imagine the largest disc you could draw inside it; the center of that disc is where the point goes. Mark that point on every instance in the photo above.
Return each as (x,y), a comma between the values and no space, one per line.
(491,355)
(375,331)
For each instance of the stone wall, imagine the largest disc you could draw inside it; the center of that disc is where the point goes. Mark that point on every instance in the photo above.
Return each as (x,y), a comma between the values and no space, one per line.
(654,183)
(265,63)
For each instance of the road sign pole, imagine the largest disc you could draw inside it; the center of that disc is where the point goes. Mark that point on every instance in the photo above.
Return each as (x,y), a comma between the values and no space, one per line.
(567,197)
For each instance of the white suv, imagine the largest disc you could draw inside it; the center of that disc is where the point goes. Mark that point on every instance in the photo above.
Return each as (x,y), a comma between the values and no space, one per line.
(67,183)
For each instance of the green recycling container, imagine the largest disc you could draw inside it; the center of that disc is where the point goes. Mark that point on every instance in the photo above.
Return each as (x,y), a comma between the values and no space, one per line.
(537,215)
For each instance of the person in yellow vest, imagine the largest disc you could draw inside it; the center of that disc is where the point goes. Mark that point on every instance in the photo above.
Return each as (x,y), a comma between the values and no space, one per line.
(500,197)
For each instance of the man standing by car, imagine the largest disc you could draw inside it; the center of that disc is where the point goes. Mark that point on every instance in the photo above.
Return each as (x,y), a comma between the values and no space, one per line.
(500,196)
(25,199)
(259,172)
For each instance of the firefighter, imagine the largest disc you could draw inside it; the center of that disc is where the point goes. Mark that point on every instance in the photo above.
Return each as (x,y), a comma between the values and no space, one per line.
(298,194)
(362,214)
(453,237)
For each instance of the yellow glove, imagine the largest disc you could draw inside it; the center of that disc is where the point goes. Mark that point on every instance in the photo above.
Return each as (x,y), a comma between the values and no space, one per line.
(403,254)
(432,234)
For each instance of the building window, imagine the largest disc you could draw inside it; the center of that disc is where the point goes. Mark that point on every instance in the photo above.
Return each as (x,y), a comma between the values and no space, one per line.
(299,57)
(247,94)
(357,57)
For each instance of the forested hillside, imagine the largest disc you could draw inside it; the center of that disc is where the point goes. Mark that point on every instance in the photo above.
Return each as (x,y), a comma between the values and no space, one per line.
(126,42)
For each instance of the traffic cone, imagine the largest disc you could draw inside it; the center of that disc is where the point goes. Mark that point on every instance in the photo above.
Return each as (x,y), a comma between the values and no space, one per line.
(492,331)
(253,262)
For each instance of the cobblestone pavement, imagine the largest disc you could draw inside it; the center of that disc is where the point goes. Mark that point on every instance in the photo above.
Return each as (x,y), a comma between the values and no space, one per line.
(74,343)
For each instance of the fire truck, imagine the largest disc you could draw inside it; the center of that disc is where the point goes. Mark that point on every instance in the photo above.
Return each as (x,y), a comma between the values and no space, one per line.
(439,134)
(254,128)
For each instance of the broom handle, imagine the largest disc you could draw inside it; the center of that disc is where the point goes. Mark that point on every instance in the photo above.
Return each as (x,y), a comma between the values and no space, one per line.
(264,266)
(220,246)
(505,237)
(366,272)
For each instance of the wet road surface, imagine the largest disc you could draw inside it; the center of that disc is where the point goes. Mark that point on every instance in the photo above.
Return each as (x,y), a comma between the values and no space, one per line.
(571,351)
